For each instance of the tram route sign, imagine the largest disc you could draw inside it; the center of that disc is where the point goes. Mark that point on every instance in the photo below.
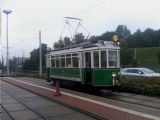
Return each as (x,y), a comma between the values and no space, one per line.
(115,38)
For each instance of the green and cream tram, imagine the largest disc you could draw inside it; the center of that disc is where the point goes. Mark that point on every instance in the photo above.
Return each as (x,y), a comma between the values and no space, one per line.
(97,65)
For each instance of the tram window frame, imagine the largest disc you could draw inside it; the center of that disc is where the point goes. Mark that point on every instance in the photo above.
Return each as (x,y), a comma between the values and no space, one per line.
(66,60)
(88,60)
(53,61)
(94,59)
(69,56)
(74,54)
(112,59)
(57,61)
(52,58)
(105,61)
(63,63)
(75,59)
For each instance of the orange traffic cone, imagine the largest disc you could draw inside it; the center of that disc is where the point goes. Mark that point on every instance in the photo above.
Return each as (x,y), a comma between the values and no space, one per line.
(57,93)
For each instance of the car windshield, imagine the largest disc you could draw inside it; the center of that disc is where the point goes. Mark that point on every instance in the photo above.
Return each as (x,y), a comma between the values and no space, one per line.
(148,71)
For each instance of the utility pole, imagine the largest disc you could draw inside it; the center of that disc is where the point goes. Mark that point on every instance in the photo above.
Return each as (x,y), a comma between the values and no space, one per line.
(135,53)
(40,55)
(2,64)
(7,60)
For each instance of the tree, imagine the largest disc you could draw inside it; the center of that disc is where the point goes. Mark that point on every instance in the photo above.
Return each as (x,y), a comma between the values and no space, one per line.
(107,36)
(1,65)
(93,39)
(134,40)
(79,38)
(33,62)
(56,45)
(126,54)
(63,42)
(158,56)
(148,38)
(59,44)
(67,41)
(134,63)
(123,32)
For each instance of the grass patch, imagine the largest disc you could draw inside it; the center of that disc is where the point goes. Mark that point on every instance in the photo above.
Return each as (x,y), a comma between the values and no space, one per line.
(147,57)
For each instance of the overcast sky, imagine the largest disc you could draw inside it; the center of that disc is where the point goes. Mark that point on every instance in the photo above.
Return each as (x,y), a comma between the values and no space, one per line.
(99,16)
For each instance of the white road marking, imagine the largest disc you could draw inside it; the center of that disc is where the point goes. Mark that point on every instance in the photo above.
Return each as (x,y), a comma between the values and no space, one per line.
(93,101)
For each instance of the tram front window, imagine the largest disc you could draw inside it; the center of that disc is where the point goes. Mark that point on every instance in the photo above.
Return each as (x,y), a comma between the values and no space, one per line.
(112,58)
(96,59)
(103,59)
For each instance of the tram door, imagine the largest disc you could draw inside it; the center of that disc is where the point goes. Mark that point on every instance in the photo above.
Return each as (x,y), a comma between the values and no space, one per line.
(87,70)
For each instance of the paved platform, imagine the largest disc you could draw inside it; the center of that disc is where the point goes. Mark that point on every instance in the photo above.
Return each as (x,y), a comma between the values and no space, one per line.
(129,101)
(100,109)
(12,98)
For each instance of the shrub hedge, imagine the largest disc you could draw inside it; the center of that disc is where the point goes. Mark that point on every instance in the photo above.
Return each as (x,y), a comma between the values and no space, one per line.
(141,85)
(31,74)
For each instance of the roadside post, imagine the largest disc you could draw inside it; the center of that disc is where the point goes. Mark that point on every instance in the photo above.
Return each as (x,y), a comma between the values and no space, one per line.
(57,93)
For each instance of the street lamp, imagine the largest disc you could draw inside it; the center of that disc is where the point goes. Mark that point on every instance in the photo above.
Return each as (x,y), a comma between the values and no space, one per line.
(7,12)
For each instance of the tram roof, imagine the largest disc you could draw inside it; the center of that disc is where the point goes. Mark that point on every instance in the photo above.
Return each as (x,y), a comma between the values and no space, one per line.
(87,46)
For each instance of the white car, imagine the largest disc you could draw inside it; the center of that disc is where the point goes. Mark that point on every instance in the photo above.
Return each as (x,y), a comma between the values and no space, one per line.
(139,72)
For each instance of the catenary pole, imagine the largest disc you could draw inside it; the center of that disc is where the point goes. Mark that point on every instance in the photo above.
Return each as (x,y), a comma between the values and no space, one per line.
(40,55)
(7,12)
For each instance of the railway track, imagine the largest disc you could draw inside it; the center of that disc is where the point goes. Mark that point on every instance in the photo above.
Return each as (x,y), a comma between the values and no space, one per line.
(5,114)
(138,101)
(130,99)
(114,96)
(41,116)
(37,108)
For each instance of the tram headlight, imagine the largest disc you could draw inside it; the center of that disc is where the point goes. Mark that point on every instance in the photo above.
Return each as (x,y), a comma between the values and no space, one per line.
(114,74)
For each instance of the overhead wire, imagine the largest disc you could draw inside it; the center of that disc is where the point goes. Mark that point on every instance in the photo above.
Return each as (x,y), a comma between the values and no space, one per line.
(70,30)
(86,31)
(78,14)
(90,8)
(76,31)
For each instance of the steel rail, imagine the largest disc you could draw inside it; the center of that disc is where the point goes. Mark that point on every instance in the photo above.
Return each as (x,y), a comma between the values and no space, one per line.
(30,108)
(6,113)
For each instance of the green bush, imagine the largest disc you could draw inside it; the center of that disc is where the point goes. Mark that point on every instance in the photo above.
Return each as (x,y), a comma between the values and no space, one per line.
(31,74)
(142,85)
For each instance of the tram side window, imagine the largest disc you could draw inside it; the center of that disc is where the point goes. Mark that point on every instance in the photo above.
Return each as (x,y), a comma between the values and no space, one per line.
(75,61)
(53,62)
(62,62)
(112,58)
(57,61)
(68,60)
(103,59)
(96,59)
